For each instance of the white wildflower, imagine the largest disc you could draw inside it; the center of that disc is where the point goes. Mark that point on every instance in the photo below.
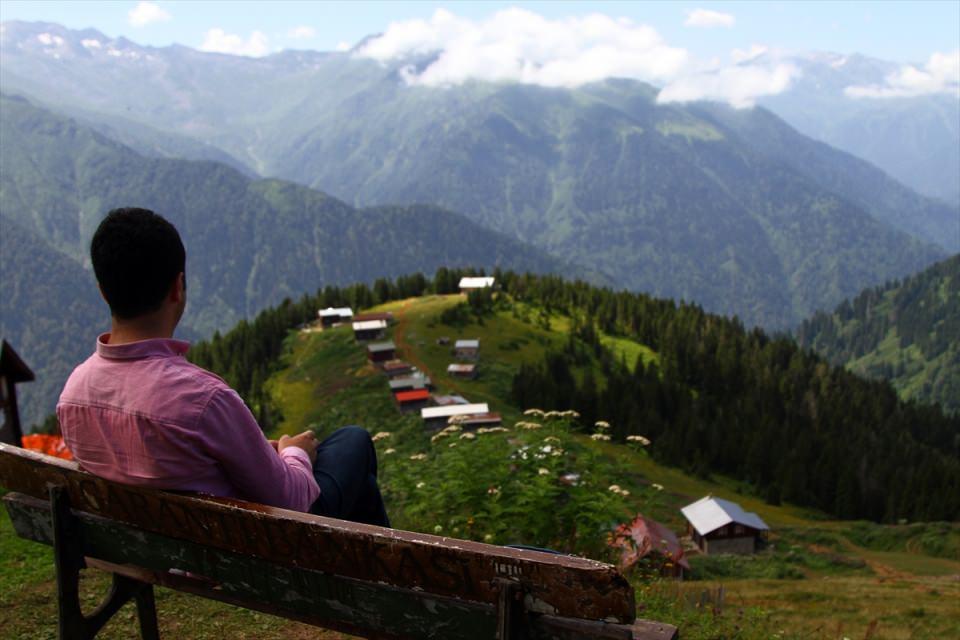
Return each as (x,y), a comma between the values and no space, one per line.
(437,529)
(600,437)
(382,435)
(418,456)
(614,488)
(543,471)
(657,487)
(389,451)
(533,412)
(488,538)
(601,424)
(493,491)
(468,436)
(452,444)
(454,428)
(421,485)
(551,439)
(643,441)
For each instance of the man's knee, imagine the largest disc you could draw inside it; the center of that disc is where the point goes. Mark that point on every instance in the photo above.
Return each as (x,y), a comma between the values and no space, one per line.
(354,433)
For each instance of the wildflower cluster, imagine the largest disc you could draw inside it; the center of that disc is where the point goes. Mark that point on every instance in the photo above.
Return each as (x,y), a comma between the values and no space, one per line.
(639,439)
(600,437)
(528,426)
(615,488)
(381,435)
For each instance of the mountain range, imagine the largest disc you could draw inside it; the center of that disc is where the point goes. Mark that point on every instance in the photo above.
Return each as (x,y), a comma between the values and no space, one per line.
(907,332)
(250,243)
(732,209)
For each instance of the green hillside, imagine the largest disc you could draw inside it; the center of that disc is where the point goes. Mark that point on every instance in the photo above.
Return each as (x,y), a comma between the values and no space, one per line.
(250,243)
(906,332)
(817,575)
(325,381)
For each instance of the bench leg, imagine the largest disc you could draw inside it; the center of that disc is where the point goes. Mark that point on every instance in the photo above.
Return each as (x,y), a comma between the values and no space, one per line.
(68,560)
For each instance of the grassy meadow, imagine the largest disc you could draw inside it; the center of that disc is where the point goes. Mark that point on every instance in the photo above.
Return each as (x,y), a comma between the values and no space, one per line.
(817,578)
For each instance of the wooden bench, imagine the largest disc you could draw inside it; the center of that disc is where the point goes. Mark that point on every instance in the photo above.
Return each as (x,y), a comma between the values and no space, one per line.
(363,580)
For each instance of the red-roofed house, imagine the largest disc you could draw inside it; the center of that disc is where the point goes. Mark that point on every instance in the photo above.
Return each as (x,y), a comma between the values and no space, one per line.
(413,400)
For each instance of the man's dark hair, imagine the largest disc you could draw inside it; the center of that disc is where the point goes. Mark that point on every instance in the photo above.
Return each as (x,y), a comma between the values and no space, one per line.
(136,256)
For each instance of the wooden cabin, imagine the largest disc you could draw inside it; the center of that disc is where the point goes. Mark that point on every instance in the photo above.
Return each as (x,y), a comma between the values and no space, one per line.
(469,284)
(386,316)
(408,383)
(460,370)
(333,316)
(720,526)
(439,417)
(412,400)
(396,368)
(380,352)
(466,349)
(13,371)
(474,422)
(369,329)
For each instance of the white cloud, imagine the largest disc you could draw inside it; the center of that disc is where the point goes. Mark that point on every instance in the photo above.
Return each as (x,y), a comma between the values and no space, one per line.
(302,32)
(517,45)
(739,85)
(145,13)
(219,41)
(708,19)
(941,74)
(343,46)
(520,46)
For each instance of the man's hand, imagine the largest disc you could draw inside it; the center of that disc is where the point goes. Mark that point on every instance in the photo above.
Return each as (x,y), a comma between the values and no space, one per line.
(306,441)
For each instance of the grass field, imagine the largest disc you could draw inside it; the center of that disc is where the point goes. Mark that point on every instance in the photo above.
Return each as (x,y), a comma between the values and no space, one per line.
(819,578)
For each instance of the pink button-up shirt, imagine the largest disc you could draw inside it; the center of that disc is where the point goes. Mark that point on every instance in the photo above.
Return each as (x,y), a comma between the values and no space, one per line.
(140,414)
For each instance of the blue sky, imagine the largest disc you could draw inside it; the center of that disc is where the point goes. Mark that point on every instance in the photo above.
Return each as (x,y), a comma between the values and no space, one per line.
(897,31)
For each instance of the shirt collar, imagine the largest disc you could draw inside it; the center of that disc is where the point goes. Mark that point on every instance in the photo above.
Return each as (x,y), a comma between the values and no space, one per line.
(153,348)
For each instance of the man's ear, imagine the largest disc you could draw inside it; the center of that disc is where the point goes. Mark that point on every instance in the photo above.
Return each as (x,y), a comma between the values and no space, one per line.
(178,290)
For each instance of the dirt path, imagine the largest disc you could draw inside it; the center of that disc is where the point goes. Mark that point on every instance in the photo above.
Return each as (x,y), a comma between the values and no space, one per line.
(404,347)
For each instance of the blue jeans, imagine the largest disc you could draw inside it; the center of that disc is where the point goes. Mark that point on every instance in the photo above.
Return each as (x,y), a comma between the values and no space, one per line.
(346,470)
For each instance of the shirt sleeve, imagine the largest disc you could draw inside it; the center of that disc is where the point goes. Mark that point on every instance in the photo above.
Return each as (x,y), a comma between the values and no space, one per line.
(250,463)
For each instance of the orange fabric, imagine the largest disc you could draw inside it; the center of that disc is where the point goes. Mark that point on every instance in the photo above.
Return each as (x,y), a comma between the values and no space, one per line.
(50,445)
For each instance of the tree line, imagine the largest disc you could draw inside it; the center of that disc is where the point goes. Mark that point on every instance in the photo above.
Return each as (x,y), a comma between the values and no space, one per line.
(756,407)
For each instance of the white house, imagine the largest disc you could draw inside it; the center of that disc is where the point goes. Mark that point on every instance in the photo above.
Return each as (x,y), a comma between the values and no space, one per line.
(472,284)
(721,526)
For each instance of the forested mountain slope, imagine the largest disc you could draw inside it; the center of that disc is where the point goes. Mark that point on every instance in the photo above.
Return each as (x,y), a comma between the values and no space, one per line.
(664,198)
(250,243)
(906,332)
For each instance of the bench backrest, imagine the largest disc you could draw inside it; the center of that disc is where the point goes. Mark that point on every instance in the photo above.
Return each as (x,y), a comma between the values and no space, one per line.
(262,549)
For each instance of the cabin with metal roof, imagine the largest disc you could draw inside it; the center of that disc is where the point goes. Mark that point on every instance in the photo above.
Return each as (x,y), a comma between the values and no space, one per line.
(408,383)
(446,401)
(379,352)
(437,417)
(487,420)
(396,368)
(412,400)
(469,284)
(369,329)
(13,370)
(334,315)
(461,370)
(466,349)
(721,526)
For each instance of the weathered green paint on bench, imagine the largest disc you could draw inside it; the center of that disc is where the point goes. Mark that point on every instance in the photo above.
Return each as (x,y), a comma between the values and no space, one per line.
(462,570)
(350,605)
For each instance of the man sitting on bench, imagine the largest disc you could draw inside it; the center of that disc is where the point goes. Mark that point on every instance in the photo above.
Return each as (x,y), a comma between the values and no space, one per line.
(138,413)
